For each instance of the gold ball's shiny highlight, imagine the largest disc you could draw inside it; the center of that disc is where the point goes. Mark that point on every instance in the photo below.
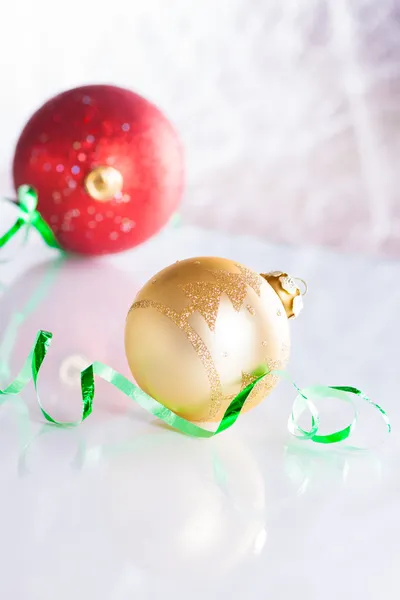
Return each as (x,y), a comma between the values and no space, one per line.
(102,183)
(200,331)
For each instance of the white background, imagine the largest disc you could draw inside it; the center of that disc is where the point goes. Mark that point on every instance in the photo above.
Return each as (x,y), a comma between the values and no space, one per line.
(289,111)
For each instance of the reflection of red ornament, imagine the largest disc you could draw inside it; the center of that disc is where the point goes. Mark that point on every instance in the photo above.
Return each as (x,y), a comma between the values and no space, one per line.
(87,325)
(107,165)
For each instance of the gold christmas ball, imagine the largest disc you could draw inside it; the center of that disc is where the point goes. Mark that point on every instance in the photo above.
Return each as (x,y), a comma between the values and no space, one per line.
(203,329)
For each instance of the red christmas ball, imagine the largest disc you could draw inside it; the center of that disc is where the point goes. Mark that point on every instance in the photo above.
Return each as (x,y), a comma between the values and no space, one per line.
(107,166)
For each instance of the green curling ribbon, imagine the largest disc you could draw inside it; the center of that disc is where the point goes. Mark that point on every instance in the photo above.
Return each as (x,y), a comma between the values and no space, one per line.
(41,346)
(29,217)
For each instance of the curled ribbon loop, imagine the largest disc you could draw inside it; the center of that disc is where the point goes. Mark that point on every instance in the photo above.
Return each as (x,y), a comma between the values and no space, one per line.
(41,346)
(29,217)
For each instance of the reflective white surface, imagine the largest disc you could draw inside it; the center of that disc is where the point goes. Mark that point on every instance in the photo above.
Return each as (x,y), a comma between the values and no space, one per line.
(123,508)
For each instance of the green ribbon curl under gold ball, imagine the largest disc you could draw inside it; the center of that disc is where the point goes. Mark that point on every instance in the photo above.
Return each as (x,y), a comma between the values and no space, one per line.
(302,401)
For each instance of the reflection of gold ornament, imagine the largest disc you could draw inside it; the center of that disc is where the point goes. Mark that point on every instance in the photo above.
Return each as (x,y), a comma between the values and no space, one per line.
(200,331)
(103,183)
(214,501)
(288,291)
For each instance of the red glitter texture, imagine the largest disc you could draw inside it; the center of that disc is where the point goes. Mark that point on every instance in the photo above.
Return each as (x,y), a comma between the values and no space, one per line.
(89,127)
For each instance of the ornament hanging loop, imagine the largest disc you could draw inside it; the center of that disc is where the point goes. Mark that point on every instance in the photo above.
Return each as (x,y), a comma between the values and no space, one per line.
(305,284)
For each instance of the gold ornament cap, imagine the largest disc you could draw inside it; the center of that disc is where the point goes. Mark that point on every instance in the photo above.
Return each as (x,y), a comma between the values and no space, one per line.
(102,183)
(288,291)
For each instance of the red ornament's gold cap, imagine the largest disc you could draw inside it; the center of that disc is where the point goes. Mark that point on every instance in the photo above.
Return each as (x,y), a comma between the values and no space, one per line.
(102,183)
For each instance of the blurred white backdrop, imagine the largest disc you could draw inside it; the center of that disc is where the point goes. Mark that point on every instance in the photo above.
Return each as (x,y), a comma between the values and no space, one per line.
(289,111)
